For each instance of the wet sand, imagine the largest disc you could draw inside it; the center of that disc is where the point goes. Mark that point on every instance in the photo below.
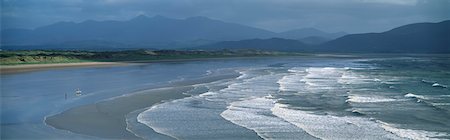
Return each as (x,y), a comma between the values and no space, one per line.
(106,119)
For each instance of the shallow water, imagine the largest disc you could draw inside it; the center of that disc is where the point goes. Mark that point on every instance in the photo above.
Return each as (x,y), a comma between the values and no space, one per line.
(326,97)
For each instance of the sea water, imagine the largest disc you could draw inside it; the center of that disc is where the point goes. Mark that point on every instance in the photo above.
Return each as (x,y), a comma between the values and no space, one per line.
(370,97)
(310,97)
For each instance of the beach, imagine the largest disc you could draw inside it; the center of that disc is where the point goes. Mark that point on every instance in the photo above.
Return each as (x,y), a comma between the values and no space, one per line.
(106,119)
(261,98)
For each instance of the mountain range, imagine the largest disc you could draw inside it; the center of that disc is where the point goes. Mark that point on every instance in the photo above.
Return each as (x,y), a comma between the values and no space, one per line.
(272,44)
(142,31)
(160,32)
(308,32)
(412,38)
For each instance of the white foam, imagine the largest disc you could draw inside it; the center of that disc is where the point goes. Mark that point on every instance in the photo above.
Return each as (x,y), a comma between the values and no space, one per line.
(333,127)
(254,114)
(207,94)
(316,79)
(369,99)
(245,73)
(317,72)
(413,134)
(208,72)
(193,111)
(323,79)
(439,85)
(296,70)
(290,83)
(440,104)
(410,95)
(427,81)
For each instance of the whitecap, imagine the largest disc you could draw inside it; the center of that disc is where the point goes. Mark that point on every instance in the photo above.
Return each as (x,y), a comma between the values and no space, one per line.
(439,85)
(440,104)
(410,95)
(333,127)
(369,99)
(413,134)
(255,114)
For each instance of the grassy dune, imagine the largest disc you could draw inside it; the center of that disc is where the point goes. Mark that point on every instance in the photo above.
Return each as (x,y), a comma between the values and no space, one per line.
(50,56)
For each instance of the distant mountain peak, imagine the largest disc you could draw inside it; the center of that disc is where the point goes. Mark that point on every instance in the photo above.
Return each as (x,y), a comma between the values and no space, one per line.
(159,17)
(142,29)
(140,18)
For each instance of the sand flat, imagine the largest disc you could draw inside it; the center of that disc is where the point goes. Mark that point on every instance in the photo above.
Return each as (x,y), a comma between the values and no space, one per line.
(106,119)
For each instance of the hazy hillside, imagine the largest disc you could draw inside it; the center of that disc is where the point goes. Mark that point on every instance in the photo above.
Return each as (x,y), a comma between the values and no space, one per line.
(272,44)
(412,38)
(308,32)
(203,33)
(139,30)
(314,40)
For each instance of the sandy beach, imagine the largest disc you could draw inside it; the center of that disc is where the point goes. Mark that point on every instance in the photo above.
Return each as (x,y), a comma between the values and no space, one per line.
(106,119)
(10,69)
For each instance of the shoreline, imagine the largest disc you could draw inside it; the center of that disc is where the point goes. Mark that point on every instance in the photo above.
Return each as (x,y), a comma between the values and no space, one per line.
(107,118)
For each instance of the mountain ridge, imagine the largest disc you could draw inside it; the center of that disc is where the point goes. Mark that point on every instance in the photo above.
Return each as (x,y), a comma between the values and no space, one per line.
(140,30)
(412,38)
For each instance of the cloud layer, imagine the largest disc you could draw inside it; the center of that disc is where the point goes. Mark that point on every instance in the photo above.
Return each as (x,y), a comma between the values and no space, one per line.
(275,15)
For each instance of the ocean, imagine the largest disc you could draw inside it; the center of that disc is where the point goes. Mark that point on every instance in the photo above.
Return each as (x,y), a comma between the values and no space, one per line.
(371,96)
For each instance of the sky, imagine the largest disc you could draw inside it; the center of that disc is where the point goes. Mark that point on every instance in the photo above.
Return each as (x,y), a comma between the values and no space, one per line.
(352,16)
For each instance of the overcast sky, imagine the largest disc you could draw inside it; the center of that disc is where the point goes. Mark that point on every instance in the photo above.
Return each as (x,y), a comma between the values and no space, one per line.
(353,16)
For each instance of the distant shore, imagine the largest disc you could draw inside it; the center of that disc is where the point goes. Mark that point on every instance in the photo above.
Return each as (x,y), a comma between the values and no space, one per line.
(10,69)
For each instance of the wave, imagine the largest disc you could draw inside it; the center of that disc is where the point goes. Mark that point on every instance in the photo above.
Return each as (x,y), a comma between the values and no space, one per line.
(369,99)
(410,95)
(440,104)
(332,127)
(439,85)
(428,81)
(206,94)
(320,78)
(427,97)
(412,134)
(255,114)
(434,84)
(201,113)
(290,83)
